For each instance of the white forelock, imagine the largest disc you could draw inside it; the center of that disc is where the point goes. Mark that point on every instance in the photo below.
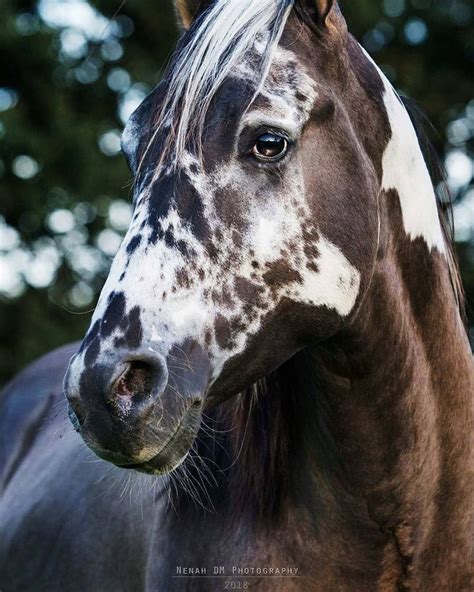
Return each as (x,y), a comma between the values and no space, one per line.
(224,34)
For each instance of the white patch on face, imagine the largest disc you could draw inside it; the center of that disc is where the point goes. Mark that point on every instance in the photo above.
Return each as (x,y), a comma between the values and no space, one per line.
(190,312)
(335,284)
(155,337)
(266,239)
(272,229)
(405,170)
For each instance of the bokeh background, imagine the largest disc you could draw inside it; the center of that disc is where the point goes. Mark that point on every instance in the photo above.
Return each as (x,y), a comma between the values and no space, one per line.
(71,73)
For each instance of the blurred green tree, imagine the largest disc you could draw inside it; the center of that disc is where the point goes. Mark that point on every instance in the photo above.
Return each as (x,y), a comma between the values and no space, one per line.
(71,73)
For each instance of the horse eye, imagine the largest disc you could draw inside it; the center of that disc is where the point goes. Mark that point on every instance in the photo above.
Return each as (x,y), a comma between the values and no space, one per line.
(270,147)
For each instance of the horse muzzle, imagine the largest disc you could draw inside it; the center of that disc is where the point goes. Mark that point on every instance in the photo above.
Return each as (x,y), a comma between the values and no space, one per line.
(138,409)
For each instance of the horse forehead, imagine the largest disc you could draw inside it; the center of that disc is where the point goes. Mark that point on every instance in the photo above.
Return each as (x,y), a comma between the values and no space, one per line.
(288,84)
(284,100)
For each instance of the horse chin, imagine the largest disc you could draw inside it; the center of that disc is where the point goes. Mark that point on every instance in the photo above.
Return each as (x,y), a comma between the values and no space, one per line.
(149,469)
(177,447)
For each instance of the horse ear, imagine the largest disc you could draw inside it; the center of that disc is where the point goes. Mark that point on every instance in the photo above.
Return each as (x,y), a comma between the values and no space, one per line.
(324,8)
(324,13)
(187,10)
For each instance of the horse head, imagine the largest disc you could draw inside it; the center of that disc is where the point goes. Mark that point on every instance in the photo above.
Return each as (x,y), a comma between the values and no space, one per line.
(258,168)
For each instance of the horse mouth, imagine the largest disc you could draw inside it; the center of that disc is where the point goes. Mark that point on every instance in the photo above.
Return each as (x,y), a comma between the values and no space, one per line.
(175,450)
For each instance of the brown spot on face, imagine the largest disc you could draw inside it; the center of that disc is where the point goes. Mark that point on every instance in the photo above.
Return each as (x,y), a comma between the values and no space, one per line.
(226,330)
(212,251)
(237,238)
(92,352)
(280,274)
(134,332)
(250,311)
(310,234)
(246,290)
(251,295)
(311,251)
(228,209)
(237,325)
(182,278)
(222,332)
(114,314)
(222,297)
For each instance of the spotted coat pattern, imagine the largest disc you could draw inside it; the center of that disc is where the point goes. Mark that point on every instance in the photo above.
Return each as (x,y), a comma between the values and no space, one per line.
(215,276)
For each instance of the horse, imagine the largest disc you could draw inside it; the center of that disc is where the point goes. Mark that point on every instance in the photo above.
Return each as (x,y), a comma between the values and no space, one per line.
(275,391)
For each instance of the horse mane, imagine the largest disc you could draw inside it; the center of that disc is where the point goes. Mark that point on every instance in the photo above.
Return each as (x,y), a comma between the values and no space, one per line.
(249,439)
(444,199)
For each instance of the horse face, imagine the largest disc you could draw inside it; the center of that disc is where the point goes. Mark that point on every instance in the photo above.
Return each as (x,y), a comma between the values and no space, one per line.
(236,258)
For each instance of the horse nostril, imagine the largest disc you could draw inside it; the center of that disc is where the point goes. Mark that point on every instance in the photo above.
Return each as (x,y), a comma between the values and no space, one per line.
(137,382)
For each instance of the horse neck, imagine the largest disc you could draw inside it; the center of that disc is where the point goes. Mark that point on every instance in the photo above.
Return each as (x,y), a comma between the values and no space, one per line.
(399,383)
(359,447)
(396,389)
(365,437)
(382,407)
